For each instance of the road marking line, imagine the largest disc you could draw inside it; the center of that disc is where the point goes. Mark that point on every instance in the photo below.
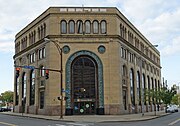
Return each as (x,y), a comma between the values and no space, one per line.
(80,124)
(60,125)
(174,122)
(8,124)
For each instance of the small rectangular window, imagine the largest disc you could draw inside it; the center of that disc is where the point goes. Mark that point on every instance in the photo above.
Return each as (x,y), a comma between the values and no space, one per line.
(43,52)
(41,99)
(42,83)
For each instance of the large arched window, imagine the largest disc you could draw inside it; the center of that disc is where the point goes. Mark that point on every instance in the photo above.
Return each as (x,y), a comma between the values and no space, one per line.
(24,87)
(124,89)
(149,88)
(84,76)
(152,82)
(155,89)
(84,85)
(143,88)
(124,74)
(158,90)
(32,87)
(87,27)
(138,87)
(71,27)
(159,86)
(63,27)
(132,87)
(103,27)
(95,27)
(17,91)
(79,27)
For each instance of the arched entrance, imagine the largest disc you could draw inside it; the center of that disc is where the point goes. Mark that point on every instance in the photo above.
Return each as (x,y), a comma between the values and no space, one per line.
(84,85)
(84,80)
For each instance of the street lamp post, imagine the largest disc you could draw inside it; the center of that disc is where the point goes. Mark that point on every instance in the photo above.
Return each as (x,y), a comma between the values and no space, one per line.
(61,70)
(142,91)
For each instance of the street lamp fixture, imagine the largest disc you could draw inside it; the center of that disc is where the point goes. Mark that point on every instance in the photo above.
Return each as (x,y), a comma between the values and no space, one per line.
(155,46)
(61,70)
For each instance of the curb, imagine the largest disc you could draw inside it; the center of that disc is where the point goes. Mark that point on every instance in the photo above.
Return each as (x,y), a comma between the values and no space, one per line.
(100,121)
(135,120)
(26,116)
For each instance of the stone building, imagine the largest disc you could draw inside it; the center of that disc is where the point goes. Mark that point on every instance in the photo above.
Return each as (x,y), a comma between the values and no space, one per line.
(96,58)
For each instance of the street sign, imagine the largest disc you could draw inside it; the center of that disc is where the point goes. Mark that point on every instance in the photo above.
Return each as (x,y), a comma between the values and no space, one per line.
(66,91)
(28,67)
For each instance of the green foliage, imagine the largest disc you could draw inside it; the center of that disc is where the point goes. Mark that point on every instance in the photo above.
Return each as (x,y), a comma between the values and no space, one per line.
(7,96)
(167,95)
(164,95)
(175,100)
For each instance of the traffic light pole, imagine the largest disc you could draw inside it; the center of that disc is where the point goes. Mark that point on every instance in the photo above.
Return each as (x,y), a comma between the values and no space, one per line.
(61,76)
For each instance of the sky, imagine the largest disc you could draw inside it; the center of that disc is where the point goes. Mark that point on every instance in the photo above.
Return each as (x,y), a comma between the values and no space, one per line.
(157,20)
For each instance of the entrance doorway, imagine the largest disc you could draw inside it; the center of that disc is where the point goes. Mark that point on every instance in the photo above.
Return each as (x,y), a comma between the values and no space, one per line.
(84,85)
(84,108)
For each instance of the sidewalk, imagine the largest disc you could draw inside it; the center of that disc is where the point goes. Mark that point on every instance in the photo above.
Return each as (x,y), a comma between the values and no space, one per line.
(96,118)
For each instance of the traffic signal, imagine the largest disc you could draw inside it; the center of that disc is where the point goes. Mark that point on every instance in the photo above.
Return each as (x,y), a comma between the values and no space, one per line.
(59,98)
(17,72)
(47,74)
(65,98)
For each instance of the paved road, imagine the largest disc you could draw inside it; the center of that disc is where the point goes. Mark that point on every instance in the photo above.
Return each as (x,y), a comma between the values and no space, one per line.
(169,120)
(7,120)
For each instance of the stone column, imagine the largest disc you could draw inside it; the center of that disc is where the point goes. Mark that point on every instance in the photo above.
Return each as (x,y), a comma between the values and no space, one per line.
(128,86)
(37,83)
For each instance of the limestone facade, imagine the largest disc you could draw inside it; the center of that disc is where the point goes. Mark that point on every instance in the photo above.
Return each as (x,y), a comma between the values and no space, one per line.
(125,63)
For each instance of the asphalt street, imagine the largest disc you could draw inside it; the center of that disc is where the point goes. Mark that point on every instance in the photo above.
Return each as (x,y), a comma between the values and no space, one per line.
(8,120)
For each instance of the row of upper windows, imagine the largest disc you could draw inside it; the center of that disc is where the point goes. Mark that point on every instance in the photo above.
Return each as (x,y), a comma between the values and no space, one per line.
(86,27)
(137,43)
(41,55)
(22,44)
(133,59)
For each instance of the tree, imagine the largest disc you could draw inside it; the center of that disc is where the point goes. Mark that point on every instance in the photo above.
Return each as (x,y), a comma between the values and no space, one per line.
(175,100)
(166,95)
(7,96)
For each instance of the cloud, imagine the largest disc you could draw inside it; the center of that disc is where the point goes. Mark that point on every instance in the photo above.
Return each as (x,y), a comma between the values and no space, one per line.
(15,15)
(6,47)
(173,48)
(158,20)
(164,30)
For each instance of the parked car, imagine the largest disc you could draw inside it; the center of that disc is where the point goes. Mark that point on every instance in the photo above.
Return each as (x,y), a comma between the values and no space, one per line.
(170,109)
(5,109)
(1,110)
(175,108)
